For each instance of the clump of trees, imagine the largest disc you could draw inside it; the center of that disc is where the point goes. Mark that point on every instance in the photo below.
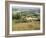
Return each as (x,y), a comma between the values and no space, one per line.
(16,16)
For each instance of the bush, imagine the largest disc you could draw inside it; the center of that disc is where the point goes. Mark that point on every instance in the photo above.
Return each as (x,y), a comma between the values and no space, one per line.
(21,21)
(24,20)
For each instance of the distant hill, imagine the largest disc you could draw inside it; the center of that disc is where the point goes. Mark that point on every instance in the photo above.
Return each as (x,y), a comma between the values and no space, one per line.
(30,11)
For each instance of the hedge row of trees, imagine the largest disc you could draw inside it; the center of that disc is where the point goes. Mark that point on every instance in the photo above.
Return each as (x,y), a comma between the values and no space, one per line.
(18,17)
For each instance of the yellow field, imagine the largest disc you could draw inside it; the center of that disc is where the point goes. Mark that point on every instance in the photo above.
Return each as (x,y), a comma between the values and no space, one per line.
(35,25)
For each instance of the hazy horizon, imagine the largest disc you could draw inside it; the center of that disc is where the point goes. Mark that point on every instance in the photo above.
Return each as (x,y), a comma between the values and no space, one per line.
(18,7)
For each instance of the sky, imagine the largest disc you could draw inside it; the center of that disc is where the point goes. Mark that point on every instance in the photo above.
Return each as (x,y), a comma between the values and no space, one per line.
(33,8)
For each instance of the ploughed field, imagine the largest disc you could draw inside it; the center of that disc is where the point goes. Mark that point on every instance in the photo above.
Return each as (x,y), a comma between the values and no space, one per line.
(34,25)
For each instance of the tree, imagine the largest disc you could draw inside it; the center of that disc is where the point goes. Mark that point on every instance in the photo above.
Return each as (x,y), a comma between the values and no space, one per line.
(16,16)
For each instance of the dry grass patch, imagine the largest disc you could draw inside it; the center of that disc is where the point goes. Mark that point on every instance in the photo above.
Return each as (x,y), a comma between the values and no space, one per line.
(35,25)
